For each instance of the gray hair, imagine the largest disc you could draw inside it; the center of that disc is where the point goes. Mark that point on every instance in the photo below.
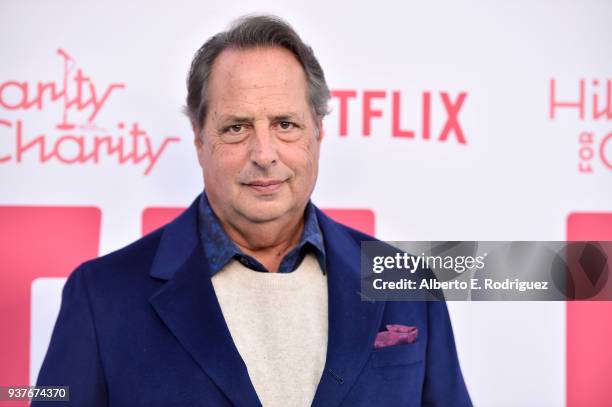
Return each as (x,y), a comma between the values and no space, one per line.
(250,32)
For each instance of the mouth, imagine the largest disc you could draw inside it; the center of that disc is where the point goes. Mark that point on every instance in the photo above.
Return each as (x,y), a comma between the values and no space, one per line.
(265,186)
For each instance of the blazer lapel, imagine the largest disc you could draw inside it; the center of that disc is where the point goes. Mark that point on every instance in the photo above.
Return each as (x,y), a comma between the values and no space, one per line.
(187,304)
(353,323)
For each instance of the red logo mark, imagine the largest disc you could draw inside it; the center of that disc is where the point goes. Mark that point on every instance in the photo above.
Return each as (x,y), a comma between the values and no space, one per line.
(369,112)
(589,327)
(36,242)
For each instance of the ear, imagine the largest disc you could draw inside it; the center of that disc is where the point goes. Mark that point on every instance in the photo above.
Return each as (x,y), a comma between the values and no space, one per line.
(199,146)
(197,137)
(321,130)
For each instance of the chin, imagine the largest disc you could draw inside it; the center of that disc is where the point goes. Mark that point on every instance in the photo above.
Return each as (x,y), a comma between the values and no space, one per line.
(265,211)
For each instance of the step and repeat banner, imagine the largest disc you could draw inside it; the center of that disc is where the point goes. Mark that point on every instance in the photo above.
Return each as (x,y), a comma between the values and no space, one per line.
(462,120)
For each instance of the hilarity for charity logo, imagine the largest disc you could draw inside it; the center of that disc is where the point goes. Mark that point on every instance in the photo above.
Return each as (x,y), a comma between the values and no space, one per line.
(592,105)
(73,141)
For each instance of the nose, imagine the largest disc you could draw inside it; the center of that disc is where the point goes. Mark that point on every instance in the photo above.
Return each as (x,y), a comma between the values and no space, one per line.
(263,147)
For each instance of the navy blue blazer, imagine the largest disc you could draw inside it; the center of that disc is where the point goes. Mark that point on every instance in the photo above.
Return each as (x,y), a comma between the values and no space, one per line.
(142,327)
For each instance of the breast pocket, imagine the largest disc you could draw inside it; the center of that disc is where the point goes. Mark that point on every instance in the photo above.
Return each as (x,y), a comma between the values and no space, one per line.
(404,362)
(404,354)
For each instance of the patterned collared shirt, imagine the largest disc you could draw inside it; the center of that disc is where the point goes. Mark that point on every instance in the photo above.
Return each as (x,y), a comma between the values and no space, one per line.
(220,249)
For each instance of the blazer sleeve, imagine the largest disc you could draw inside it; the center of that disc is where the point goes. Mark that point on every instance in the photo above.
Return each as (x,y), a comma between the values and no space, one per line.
(73,357)
(444,384)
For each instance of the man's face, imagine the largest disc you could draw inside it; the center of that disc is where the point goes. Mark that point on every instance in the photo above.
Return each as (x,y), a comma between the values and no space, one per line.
(259,149)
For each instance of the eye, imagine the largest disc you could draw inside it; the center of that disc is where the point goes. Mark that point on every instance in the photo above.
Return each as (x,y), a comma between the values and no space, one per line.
(235,133)
(236,128)
(286,125)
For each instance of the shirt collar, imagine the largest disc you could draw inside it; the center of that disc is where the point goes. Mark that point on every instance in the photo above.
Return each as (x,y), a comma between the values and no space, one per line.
(219,249)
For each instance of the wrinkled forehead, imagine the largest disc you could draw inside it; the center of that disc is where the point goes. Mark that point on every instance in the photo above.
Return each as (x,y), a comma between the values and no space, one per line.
(257,76)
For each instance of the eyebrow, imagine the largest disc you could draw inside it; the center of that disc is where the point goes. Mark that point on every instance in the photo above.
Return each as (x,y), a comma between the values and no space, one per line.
(284,116)
(250,119)
(232,118)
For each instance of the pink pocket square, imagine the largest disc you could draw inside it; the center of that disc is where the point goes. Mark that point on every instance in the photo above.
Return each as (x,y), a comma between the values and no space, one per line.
(395,335)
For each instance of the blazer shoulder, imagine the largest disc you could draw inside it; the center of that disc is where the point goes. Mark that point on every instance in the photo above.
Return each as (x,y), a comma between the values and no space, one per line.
(357,235)
(330,225)
(136,257)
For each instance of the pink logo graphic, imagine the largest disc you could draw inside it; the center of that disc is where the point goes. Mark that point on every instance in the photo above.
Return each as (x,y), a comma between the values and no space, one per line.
(36,241)
(589,327)
(81,100)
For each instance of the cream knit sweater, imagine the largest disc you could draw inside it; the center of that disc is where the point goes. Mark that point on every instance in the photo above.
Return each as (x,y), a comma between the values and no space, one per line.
(278,322)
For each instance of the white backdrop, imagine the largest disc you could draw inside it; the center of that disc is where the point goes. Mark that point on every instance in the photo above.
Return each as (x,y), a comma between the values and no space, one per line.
(516,177)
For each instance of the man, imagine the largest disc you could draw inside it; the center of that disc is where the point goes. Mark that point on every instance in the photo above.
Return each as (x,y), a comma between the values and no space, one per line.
(251,296)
